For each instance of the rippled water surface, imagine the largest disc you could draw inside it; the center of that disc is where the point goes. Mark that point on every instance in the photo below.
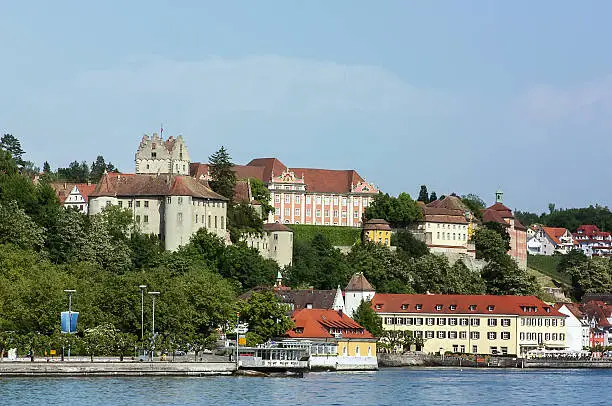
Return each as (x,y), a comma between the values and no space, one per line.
(385,387)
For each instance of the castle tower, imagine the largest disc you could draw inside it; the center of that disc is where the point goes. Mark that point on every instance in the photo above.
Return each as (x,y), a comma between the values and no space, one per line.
(499,196)
(158,156)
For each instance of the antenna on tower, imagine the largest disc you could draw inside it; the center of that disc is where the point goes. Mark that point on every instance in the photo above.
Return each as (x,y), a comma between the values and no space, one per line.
(161,130)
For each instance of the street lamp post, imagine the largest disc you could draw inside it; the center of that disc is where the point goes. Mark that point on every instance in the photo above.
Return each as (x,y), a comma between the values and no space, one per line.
(237,339)
(70,292)
(153,296)
(142,289)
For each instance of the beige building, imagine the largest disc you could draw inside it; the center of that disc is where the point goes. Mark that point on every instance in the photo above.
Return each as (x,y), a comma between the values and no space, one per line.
(170,206)
(158,156)
(446,227)
(276,242)
(478,324)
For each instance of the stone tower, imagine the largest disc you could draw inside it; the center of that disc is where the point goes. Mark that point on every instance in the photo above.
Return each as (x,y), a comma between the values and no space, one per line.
(357,290)
(158,156)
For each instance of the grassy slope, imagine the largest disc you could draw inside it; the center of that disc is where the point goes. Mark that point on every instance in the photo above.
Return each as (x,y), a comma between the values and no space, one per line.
(337,235)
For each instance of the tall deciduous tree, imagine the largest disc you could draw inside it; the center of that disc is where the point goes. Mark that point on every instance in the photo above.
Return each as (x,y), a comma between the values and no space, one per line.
(17,228)
(408,246)
(261,193)
(223,177)
(367,318)
(266,315)
(400,211)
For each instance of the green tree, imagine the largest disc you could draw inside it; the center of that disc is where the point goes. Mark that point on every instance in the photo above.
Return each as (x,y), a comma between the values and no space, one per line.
(76,172)
(571,260)
(526,218)
(246,267)
(434,274)
(223,176)
(242,219)
(502,276)
(423,195)
(67,236)
(8,166)
(502,230)
(382,268)
(367,318)
(318,264)
(11,144)
(433,197)
(17,228)
(591,276)
(266,315)
(46,168)
(408,246)
(474,203)
(261,193)
(97,169)
(489,243)
(400,211)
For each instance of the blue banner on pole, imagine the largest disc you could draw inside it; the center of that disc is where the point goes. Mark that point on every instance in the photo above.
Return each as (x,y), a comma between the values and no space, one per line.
(69,324)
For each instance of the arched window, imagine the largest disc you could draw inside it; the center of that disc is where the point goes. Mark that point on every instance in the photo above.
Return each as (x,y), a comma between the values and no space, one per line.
(369,351)
(357,351)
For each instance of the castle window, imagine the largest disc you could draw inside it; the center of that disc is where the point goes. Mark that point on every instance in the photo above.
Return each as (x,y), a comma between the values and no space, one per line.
(153,146)
(146,219)
(137,203)
(138,219)
(196,218)
(130,204)
(120,203)
(209,223)
(180,200)
(153,154)
(146,203)
(168,200)
(222,223)
(179,218)
(216,222)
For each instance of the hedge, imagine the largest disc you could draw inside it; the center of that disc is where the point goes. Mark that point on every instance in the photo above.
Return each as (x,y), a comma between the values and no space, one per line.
(337,235)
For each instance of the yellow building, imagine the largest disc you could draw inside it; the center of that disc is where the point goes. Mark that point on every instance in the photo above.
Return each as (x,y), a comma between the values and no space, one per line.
(378,231)
(337,341)
(477,324)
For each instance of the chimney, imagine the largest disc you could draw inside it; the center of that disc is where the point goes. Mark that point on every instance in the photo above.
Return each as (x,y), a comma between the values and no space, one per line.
(340,312)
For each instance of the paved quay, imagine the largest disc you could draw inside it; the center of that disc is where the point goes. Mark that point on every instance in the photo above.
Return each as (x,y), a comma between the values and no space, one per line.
(115,368)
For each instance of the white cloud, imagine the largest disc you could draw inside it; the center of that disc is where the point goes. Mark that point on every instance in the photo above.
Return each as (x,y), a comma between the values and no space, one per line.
(584,104)
(268,84)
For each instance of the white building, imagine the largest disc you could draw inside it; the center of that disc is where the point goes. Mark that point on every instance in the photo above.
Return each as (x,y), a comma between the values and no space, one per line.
(275,242)
(73,195)
(169,206)
(357,290)
(578,328)
(551,240)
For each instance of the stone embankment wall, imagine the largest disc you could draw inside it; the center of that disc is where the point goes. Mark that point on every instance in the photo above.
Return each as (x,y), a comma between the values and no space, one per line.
(116,368)
(559,363)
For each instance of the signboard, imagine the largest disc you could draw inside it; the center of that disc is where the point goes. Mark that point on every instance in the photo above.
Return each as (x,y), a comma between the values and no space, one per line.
(69,325)
(242,340)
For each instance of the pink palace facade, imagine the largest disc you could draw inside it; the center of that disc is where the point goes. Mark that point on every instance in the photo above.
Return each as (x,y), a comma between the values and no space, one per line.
(306,195)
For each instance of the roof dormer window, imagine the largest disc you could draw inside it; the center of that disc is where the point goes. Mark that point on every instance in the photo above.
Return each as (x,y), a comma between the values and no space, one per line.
(438,307)
(378,306)
(547,309)
(404,306)
(418,306)
(472,307)
(453,307)
(490,308)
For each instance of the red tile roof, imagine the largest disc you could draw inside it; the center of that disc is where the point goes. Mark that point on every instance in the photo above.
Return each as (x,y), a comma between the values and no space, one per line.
(502,210)
(328,180)
(493,216)
(276,227)
(510,305)
(272,167)
(85,190)
(197,170)
(122,184)
(316,323)
(242,192)
(554,233)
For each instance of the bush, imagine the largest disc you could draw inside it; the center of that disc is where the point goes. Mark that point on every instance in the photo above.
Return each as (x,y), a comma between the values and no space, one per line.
(337,235)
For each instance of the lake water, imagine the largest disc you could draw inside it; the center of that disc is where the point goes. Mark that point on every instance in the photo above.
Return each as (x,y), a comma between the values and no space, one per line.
(386,387)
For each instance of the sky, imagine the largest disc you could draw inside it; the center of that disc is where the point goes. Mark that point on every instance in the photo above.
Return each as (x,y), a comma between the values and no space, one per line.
(462,96)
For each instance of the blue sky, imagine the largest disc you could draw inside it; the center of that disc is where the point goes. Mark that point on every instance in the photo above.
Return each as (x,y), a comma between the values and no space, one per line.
(464,96)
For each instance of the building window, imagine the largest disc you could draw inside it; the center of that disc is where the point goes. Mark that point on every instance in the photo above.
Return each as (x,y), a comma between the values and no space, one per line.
(452,335)
(222,222)
(462,335)
(505,322)
(452,321)
(490,308)
(138,219)
(429,321)
(326,200)
(318,199)
(335,213)
(179,218)
(438,307)
(216,222)
(492,335)
(343,214)
(196,218)
(318,213)
(209,221)
(307,212)
(277,198)
(120,203)
(130,204)
(475,322)
(453,307)
(492,322)
(441,321)
(146,218)
(297,199)
(180,200)
(308,200)
(472,308)
(475,349)
(137,203)
(441,334)
(287,198)
(463,322)
(169,200)
(475,335)
(146,204)
(355,215)
(493,350)
(418,306)
(326,213)
(429,334)
(287,211)
(504,350)
(297,211)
